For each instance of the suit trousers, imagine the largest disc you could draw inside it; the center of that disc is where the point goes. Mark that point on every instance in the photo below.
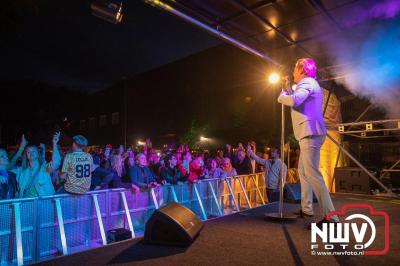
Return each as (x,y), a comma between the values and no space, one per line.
(311,178)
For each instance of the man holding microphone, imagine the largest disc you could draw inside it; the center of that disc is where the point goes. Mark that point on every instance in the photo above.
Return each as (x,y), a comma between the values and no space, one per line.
(309,129)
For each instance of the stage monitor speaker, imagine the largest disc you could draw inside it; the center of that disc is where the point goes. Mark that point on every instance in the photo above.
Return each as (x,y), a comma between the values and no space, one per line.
(173,224)
(351,179)
(292,193)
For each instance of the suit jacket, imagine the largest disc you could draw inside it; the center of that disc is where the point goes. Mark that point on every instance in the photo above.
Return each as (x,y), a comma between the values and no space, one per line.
(306,108)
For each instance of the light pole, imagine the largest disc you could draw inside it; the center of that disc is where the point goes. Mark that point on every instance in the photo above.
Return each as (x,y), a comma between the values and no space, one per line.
(125,112)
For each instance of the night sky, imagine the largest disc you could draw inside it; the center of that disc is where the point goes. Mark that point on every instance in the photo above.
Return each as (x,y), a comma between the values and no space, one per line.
(177,74)
(63,44)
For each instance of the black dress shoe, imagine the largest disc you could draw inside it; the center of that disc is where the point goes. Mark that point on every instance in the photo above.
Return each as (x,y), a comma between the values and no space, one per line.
(301,214)
(320,223)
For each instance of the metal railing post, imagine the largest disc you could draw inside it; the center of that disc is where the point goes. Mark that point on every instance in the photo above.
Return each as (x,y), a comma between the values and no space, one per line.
(127,213)
(154,198)
(108,209)
(232,194)
(215,198)
(18,233)
(173,193)
(61,227)
(244,191)
(99,219)
(258,190)
(36,232)
(196,191)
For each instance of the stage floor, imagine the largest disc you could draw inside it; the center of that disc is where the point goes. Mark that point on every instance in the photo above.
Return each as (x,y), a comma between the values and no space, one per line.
(247,239)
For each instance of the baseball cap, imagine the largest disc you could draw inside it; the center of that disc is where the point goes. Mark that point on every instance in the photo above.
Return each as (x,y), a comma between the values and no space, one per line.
(80,140)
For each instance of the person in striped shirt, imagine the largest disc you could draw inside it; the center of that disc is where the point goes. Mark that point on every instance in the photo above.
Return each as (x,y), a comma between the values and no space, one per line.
(77,168)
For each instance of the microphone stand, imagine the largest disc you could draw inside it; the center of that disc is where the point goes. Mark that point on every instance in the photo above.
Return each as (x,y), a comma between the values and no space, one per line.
(280,215)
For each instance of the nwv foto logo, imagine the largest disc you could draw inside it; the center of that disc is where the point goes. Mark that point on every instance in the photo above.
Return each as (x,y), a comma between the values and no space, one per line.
(337,235)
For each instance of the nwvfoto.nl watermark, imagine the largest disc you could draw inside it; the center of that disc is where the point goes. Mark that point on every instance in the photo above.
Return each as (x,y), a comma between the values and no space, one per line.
(335,237)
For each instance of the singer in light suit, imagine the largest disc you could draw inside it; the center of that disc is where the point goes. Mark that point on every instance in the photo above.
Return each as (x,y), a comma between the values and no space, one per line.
(309,129)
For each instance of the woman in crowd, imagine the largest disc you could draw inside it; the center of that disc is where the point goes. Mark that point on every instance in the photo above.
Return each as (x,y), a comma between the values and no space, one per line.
(129,163)
(34,176)
(196,169)
(213,171)
(106,161)
(228,168)
(184,165)
(117,167)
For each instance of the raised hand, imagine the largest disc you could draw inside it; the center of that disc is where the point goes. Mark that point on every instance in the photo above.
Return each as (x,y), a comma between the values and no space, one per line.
(24,142)
(249,148)
(56,138)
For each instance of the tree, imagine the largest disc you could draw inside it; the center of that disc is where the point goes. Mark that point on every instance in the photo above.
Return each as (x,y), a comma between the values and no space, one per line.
(192,135)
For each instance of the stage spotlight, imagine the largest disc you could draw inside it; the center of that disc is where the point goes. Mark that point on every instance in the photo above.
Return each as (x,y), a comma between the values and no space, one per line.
(109,10)
(274,78)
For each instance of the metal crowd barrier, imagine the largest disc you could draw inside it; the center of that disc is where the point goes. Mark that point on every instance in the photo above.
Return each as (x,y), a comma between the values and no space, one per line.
(34,229)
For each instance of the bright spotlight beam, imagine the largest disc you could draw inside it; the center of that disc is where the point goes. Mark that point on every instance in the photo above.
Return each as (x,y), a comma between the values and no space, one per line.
(274,78)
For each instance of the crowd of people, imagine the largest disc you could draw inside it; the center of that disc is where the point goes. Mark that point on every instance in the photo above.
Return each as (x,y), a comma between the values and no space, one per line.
(33,172)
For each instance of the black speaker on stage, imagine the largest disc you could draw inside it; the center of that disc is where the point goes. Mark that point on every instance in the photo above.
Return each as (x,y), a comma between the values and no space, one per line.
(292,193)
(353,180)
(173,224)
(119,234)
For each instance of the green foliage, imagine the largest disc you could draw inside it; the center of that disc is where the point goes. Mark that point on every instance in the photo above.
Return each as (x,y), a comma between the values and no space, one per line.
(192,135)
